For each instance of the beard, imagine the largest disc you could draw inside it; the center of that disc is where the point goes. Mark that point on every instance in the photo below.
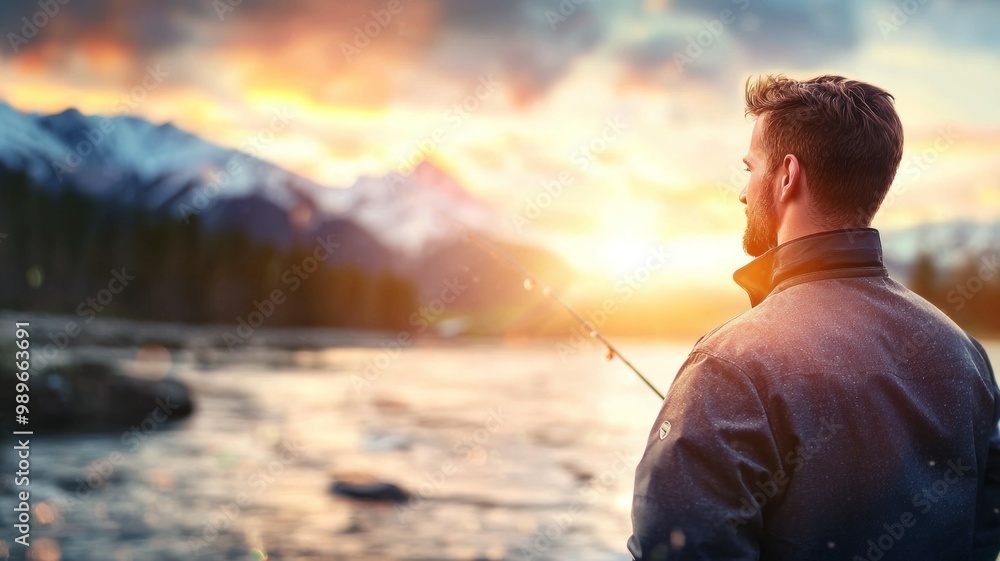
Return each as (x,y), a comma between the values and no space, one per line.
(762,226)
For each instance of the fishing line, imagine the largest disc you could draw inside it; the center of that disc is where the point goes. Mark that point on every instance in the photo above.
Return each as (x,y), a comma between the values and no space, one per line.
(531,281)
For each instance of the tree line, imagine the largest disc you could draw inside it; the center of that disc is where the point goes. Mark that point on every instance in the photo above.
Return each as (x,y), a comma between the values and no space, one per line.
(969,293)
(65,252)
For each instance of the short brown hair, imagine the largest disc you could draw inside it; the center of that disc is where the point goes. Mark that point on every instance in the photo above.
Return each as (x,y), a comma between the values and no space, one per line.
(846,135)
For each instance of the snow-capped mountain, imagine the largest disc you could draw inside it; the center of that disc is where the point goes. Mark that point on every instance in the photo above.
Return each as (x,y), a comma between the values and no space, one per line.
(400,221)
(411,224)
(163,168)
(130,158)
(415,212)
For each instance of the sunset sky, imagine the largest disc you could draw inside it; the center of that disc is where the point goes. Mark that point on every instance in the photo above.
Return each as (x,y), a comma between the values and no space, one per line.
(508,95)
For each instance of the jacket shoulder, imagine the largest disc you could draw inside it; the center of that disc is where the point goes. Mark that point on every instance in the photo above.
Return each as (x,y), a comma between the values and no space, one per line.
(838,325)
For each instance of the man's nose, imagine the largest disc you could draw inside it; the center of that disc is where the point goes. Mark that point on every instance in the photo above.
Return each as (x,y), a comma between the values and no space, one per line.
(743,196)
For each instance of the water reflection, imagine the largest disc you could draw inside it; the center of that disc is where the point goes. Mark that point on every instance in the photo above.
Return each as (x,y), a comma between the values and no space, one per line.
(506,452)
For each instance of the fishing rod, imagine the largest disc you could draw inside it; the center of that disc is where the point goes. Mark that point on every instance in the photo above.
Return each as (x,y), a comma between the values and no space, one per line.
(532,281)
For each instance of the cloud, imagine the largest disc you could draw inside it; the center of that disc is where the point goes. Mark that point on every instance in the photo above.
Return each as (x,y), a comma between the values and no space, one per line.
(458,40)
(714,40)
(531,43)
(953,24)
(563,66)
(143,27)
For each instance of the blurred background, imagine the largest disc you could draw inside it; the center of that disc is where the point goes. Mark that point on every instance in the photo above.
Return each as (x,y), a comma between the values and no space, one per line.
(256,243)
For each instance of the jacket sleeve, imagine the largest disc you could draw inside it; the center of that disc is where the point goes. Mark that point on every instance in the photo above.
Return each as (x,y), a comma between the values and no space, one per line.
(986,537)
(710,454)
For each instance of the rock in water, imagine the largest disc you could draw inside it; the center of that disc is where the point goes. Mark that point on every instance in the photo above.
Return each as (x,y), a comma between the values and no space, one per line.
(368,488)
(98,396)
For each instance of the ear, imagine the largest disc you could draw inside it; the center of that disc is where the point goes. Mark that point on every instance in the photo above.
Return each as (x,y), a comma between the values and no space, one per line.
(791,178)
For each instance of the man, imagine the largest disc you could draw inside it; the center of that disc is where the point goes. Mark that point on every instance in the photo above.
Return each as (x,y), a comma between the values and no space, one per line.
(842,416)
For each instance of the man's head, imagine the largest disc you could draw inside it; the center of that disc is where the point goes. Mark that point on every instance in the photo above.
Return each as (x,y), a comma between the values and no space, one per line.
(822,156)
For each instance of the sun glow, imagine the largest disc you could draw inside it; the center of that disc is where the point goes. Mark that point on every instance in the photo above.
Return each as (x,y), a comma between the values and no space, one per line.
(622,253)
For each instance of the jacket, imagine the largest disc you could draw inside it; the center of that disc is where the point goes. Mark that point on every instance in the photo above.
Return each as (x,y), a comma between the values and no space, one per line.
(841,417)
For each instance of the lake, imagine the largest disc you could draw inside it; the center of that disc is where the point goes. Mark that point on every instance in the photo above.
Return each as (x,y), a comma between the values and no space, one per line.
(514,450)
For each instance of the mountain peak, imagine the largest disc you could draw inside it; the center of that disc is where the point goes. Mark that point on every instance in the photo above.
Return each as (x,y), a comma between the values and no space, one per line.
(429,175)
(69,112)
(66,121)
(162,167)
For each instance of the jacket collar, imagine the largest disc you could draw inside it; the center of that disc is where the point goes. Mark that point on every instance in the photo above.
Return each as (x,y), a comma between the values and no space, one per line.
(826,251)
